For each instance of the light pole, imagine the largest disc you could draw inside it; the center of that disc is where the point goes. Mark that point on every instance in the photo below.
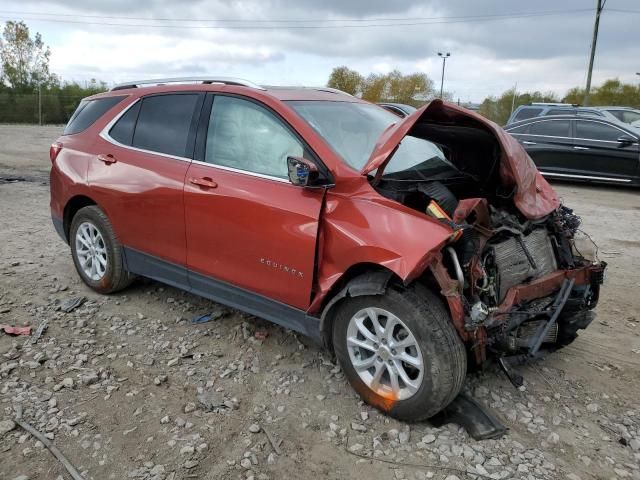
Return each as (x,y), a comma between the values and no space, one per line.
(444,57)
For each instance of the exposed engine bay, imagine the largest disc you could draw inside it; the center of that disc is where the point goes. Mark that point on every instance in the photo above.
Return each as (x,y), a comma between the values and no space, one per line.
(524,283)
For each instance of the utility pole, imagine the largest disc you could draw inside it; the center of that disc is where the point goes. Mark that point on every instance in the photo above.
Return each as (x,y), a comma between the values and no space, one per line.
(515,94)
(599,7)
(444,57)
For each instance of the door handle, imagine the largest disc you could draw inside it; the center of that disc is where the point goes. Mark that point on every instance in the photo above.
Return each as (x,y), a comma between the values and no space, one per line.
(527,142)
(580,148)
(108,159)
(205,182)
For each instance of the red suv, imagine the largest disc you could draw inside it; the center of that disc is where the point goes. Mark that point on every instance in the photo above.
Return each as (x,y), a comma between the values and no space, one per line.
(411,247)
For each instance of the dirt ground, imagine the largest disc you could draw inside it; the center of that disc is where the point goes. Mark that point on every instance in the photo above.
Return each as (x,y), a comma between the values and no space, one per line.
(126,386)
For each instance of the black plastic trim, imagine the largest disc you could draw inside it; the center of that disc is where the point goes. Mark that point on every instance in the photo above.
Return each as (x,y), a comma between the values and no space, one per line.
(222,292)
(58,224)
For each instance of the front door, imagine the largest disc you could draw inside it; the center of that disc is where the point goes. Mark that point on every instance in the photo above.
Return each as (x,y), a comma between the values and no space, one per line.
(246,225)
(548,142)
(602,155)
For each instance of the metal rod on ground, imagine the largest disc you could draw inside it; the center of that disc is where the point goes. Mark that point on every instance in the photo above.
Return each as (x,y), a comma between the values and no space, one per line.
(594,41)
(47,443)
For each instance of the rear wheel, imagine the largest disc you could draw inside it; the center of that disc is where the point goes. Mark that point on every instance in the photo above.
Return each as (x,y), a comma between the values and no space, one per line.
(400,352)
(96,252)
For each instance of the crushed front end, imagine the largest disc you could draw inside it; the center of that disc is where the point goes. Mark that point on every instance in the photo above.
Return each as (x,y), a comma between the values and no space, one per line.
(519,275)
(529,286)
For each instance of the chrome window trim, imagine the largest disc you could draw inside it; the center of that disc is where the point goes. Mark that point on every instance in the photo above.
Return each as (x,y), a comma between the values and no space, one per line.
(244,172)
(568,175)
(104,133)
(571,138)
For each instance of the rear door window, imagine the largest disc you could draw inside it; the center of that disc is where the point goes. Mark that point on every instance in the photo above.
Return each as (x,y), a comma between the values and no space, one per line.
(164,123)
(597,131)
(88,112)
(525,113)
(551,128)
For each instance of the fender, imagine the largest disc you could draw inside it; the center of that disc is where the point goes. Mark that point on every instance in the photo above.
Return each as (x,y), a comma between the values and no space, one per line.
(370,229)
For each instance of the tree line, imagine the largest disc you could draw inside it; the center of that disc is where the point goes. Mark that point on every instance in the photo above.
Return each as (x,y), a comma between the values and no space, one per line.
(29,91)
(413,89)
(611,92)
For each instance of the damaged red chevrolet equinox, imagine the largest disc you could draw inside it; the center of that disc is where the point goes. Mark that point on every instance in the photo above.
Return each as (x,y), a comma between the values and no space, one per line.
(411,247)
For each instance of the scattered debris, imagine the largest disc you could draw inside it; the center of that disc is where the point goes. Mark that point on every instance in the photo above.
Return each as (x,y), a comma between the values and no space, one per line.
(71,304)
(39,331)
(208,317)
(45,441)
(274,444)
(11,330)
(261,334)
(211,400)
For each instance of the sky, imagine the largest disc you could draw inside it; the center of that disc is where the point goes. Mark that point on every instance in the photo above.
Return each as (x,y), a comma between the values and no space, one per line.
(494,44)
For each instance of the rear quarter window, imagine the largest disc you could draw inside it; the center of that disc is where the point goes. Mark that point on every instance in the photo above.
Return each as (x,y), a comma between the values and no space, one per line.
(88,112)
(526,113)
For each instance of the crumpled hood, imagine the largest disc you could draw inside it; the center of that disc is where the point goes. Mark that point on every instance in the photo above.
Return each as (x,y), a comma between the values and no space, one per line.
(534,197)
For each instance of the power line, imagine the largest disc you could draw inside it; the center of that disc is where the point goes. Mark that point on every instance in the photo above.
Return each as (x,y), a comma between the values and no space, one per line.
(302,20)
(438,20)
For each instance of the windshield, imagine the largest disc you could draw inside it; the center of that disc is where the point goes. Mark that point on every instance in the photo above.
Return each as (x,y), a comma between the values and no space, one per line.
(352,130)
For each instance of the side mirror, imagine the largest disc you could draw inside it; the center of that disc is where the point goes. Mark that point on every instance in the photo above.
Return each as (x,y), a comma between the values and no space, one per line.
(627,140)
(302,172)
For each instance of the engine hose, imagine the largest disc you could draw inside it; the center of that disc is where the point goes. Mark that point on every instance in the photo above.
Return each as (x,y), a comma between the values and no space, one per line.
(457,267)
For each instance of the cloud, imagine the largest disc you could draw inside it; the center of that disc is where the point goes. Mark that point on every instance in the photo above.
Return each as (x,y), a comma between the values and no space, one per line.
(489,54)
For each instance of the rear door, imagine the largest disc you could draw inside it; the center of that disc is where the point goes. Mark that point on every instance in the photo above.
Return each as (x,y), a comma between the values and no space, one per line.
(602,155)
(548,142)
(246,224)
(138,179)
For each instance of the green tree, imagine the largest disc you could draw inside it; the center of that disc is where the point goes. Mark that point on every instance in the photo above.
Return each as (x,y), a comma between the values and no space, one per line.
(611,92)
(24,60)
(409,89)
(347,80)
(373,88)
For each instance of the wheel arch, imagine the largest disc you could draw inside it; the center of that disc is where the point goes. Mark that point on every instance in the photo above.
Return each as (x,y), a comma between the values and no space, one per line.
(74,204)
(372,279)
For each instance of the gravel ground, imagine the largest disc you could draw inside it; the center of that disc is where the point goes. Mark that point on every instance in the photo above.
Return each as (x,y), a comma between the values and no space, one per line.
(127,387)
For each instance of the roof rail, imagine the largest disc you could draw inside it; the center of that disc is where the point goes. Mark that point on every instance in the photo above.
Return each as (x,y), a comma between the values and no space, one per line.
(318,89)
(330,90)
(555,104)
(201,79)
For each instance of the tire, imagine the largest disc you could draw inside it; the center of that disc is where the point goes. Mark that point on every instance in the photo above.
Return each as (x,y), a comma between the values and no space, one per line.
(111,276)
(443,354)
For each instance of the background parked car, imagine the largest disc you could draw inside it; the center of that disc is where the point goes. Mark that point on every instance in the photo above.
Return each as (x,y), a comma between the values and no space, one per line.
(626,115)
(399,109)
(581,148)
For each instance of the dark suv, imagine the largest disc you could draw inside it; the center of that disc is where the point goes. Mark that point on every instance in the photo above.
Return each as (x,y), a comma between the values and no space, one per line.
(628,117)
(408,246)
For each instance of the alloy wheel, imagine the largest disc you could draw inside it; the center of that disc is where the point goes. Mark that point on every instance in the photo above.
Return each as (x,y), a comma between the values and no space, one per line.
(385,353)
(91,251)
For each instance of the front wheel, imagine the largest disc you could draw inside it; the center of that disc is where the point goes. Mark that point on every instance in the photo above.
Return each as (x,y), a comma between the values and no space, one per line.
(400,352)
(96,252)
